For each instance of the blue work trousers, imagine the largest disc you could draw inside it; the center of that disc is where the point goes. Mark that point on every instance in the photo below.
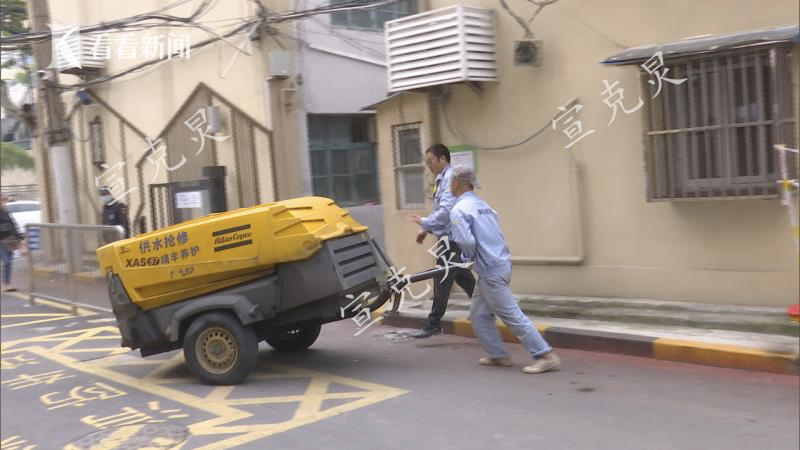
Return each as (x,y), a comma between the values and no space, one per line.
(493,298)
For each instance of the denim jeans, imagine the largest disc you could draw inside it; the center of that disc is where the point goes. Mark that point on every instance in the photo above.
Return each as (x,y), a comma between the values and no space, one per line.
(442,286)
(492,298)
(6,261)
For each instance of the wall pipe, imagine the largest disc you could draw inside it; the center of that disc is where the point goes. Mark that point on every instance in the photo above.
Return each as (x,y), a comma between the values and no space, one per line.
(579,258)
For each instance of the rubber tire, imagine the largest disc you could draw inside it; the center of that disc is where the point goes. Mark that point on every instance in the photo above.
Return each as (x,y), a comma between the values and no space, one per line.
(245,340)
(301,340)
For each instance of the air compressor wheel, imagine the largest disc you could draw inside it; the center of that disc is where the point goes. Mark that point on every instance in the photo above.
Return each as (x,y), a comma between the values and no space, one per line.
(219,350)
(294,339)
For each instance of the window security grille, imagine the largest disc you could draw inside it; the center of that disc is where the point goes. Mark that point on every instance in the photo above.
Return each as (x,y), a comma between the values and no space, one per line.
(713,135)
(409,167)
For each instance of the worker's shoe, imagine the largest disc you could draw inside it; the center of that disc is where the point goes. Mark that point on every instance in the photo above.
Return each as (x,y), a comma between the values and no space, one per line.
(505,361)
(423,333)
(547,362)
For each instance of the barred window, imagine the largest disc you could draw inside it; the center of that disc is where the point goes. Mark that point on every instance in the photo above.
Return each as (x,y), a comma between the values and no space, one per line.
(408,166)
(343,165)
(714,135)
(372,19)
(97,141)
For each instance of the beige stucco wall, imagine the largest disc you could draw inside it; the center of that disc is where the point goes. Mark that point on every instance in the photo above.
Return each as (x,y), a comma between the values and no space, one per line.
(16,177)
(151,97)
(735,251)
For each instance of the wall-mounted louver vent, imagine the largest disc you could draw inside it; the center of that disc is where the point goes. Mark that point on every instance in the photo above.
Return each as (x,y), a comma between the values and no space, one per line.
(77,53)
(443,46)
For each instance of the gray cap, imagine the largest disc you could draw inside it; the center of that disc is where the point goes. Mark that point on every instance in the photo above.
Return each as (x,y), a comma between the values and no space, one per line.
(463,172)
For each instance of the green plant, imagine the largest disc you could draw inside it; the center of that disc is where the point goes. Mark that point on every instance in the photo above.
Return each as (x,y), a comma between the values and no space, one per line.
(13,157)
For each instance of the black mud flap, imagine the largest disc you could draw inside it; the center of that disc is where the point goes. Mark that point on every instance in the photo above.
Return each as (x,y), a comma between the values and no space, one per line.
(138,330)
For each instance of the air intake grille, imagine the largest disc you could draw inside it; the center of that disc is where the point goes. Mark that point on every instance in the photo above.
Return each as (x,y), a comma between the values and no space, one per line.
(355,262)
(443,46)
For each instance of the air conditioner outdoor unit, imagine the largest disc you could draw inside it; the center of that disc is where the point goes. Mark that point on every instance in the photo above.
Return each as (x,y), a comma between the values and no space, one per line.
(442,46)
(76,53)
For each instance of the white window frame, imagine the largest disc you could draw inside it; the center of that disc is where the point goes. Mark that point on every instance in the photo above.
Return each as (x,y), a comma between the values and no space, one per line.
(401,169)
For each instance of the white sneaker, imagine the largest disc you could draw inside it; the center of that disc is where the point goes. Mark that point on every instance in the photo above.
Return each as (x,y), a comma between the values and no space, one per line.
(543,364)
(489,361)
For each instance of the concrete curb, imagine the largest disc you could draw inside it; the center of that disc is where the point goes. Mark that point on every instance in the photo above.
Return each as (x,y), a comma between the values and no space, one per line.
(668,349)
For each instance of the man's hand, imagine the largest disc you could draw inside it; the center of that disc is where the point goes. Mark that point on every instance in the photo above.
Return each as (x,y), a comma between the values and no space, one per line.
(415,218)
(421,236)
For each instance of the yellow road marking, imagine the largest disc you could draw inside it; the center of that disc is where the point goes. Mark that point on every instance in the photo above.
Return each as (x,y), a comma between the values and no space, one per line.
(52,304)
(87,335)
(118,437)
(220,393)
(463,327)
(724,355)
(295,398)
(34,322)
(224,409)
(116,350)
(13,316)
(311,401)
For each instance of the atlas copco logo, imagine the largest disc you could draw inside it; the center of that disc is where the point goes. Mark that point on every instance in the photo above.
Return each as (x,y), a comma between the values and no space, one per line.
(232,238)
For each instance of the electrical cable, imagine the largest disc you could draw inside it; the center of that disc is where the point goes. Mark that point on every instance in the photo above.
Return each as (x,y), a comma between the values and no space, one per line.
(202,9)
(354,4)
(151,62)
(128,22)
(134,21)
(442,101)
(348,40)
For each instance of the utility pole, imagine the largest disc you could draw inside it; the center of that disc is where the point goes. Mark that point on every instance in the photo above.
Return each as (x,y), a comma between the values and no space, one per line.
(53,142)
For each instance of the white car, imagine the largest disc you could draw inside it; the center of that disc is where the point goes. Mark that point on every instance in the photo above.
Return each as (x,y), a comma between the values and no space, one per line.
(25,212)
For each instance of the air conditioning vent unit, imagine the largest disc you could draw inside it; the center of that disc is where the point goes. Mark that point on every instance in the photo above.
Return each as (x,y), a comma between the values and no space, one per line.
(72,49)
(442,46)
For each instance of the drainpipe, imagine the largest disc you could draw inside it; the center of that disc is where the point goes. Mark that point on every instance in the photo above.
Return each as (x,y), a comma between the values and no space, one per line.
(578,259)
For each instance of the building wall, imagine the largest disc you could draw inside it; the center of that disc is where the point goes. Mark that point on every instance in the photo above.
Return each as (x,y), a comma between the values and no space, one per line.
(342,70)
(333,70)
(15,177)
(150,98)
(732,251)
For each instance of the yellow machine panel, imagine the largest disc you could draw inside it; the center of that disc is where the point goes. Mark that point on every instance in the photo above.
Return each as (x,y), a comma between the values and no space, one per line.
(223,249)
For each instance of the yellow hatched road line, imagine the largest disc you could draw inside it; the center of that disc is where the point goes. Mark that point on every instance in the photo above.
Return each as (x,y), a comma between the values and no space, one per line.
(216,402)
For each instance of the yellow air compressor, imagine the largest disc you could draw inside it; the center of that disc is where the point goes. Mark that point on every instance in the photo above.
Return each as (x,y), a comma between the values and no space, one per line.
(219,284)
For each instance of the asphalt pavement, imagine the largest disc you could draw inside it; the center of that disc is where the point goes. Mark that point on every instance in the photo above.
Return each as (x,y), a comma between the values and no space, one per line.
(377,390)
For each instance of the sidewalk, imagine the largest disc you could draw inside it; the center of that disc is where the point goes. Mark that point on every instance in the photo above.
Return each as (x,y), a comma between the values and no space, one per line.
(743,337)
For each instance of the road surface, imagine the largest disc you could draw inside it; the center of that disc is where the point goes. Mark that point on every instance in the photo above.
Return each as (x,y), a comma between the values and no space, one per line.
(66,383)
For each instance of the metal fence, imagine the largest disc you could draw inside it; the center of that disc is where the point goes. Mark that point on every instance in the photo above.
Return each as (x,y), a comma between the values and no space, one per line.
(21,192)
(63,266)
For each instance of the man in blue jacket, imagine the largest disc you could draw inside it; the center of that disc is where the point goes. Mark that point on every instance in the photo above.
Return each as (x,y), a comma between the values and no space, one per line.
(437,158)
(476,229)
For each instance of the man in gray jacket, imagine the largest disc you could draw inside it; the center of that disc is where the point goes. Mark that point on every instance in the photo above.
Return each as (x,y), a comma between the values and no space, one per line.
(476,229)
(437,158)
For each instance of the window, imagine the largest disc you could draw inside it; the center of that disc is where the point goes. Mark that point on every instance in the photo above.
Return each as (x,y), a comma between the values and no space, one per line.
(409,167)
(96,141)
(343,165)
(372,19)
(714,135)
